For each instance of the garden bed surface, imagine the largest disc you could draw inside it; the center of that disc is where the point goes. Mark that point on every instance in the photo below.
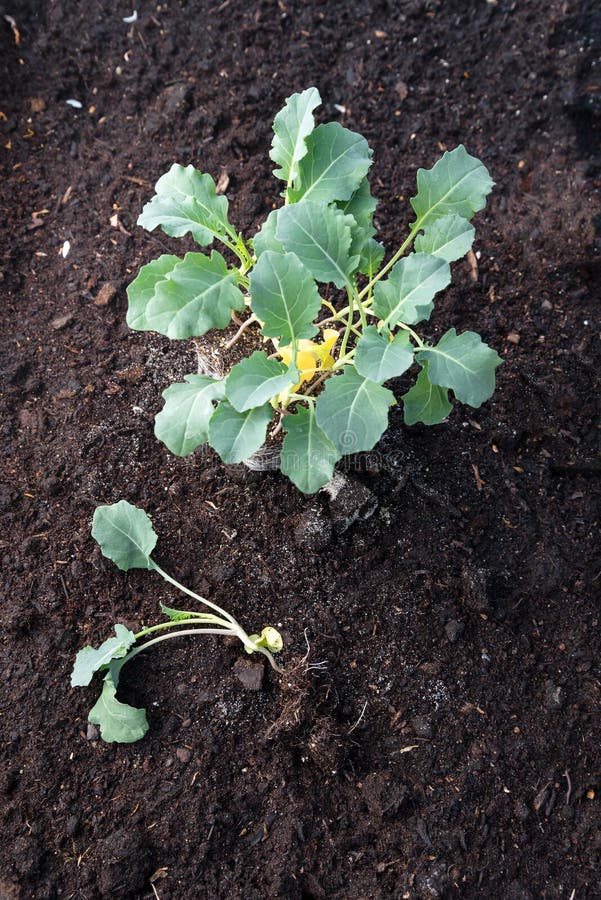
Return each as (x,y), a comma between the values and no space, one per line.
(436,730)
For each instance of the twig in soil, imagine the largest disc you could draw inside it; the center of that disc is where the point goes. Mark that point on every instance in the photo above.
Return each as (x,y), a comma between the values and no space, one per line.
(66,592)
(566,775)
(352,728)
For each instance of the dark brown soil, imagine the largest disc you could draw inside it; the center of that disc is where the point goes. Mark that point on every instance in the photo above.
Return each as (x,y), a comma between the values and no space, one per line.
(436,733)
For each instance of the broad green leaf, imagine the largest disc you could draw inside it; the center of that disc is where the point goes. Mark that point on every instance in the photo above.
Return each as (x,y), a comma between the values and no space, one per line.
(235,435)
(265,239)
(336,162)
(197,294)
(407,294)
(463,363)
(457,183)
(292,125)
(321,238)
(91,659)
(353,411)
(125,535)
(370,260)
(185,200)
(143,287)
(426,402)
(308,456)
(449,237)
(361,207)
(284,297)
(118,721)
(257,379)
(380,357)
(183,423)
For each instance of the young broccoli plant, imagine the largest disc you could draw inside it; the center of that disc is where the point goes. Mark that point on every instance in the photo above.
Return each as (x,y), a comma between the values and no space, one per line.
(126,536)
(335,322)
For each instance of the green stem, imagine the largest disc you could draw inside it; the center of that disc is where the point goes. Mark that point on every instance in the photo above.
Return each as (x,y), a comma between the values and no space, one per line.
(413,334)
(195,618)
(166,637)
(343,360)
(367,290)
(191,631)
(234,627)
(385,269)
(190,593)
(347,331)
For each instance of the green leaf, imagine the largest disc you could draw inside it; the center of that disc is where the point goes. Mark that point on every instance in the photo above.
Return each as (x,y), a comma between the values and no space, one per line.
(265,239)
(308,456)
(174,615)
(183,423)
(372,254)
(463,363)
(361,207)
(353,411)
(118,721)
(292,125)
(257,379)
(426,402)
(91,659)
(125,535)
(407,294)
(321,238)
(185,200)
(197,294)
(449,237)
(458,183)
(235,435)
(143,287)
(336,162)
(380,357)
(284,297)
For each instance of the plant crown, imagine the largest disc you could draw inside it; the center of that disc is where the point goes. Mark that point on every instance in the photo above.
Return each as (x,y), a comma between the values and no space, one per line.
(126,536)
(335,322)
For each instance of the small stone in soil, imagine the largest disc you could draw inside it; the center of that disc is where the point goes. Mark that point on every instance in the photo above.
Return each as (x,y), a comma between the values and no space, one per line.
(474,582)
(554,695)
(454,630)
(422,726)
(314,530)
(92,733)
(250,674)
(183,755)
(62,321)
(124,857)
(349,501)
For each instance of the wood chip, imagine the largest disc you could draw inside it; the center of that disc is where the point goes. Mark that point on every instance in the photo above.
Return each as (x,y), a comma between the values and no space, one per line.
(105,294)
(479,481)
(473,263)
(222,182)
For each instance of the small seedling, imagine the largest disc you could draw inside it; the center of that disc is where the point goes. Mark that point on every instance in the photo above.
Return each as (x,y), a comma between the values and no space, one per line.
(328,351)
(126,536)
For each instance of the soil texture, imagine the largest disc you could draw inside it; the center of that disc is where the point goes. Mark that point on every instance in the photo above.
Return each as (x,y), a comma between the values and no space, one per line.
(436,732)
